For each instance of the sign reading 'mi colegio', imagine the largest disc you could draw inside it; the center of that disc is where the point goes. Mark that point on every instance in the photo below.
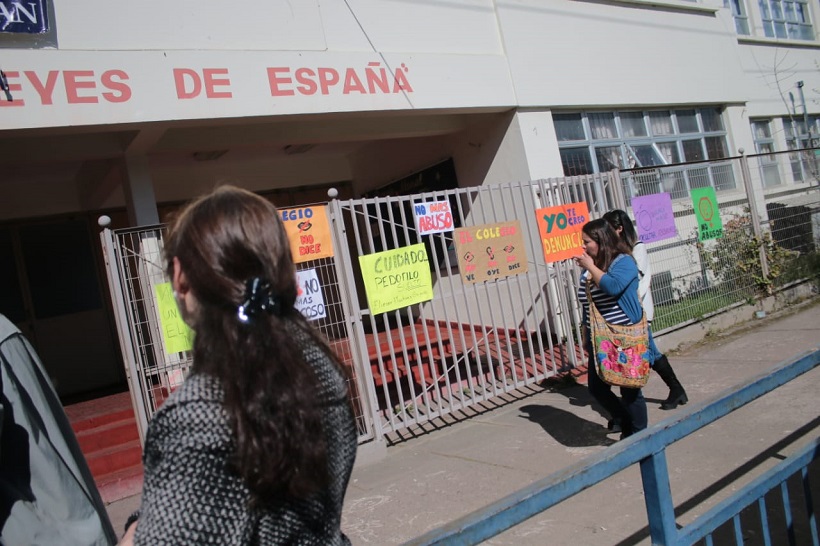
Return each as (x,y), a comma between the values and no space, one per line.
(309,233)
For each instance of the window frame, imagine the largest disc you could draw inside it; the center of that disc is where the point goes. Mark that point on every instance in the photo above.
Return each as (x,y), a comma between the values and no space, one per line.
(779,26)
(629,158)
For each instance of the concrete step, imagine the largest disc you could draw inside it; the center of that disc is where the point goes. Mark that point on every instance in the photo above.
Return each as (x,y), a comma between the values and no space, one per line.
(120,484)
(108,435)
(107,432)
(112,459)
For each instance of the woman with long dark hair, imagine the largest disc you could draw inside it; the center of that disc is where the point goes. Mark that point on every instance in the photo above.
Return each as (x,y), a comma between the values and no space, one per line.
(257,445)
(623,226)
(611,278)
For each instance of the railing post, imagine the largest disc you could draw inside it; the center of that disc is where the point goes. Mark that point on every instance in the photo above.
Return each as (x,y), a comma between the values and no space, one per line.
(658,497)
(617,188)
(750,194)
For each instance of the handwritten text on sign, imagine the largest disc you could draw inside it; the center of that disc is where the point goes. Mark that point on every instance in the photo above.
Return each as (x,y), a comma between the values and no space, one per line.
(434,217)
(560,230)
(396,278)
(178,337)
(490,252)
(309,233)
(654,218)
(710,226)
(309,299)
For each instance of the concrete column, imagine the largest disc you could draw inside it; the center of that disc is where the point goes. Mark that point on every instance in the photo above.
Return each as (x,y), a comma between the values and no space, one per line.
(540,144)
(139,191)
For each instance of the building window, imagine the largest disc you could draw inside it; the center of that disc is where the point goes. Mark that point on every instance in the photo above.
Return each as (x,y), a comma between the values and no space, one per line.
(593,142)
(764,144)
(739,13)
(804,165)
(786,19)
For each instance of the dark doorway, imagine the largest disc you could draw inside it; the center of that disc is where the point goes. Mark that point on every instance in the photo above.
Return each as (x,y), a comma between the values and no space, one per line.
(50,288)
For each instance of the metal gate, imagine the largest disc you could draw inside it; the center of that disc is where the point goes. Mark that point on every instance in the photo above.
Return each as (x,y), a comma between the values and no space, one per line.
(134,266)
(469,344)
(472,342)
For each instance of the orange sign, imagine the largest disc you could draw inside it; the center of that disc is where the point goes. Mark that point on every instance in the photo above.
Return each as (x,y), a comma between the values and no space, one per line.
(309,233)
(560,230)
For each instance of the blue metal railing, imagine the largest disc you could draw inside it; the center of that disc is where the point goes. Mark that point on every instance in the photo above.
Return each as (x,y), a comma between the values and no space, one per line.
(648,449)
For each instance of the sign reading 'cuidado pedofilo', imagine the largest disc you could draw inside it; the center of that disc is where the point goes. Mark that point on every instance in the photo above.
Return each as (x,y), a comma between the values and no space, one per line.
(490,252)
(560,230)
(309,233)
(396,278)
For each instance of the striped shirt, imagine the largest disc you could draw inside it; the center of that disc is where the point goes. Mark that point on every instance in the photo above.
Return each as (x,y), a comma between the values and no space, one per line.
(606,304)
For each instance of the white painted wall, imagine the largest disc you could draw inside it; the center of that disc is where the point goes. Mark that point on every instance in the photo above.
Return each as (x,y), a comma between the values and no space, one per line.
(627,53)
(189,24)
(455,54)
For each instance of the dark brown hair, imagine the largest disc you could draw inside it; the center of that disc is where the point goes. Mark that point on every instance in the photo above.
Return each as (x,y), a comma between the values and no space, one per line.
(620,219)
(271,393)
(609,244)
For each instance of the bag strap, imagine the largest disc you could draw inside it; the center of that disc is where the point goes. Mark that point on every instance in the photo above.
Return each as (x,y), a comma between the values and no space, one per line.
(592,306)
(598,316)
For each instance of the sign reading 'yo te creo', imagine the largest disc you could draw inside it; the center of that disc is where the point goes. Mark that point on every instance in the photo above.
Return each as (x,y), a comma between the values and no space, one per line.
(309,233)
(560,230)
(710,226)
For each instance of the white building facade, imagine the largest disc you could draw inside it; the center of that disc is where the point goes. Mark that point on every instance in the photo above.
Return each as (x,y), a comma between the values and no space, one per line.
(128,109)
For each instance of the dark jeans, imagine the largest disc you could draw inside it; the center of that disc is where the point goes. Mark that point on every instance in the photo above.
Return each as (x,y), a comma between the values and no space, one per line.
(629,409)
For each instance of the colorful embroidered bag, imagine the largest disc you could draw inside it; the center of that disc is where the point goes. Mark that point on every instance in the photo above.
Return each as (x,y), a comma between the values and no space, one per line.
(621,351)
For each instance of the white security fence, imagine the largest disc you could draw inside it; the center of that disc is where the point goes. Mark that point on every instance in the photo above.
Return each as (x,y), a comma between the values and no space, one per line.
(479,339)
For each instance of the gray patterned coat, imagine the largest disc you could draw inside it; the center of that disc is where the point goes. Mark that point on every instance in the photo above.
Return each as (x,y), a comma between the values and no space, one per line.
(190,495)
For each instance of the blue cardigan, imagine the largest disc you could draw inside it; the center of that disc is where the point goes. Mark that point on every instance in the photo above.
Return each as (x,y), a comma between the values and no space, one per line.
(621,281)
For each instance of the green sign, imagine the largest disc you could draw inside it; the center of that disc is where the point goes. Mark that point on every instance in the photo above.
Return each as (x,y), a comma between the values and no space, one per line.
(707,213)
(396,278)
(178,337)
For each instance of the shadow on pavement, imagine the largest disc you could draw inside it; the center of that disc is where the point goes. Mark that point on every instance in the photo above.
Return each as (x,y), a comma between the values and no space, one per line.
(567,428)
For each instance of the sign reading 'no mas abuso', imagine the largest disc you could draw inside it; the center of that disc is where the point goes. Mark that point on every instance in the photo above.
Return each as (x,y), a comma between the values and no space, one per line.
(560,230)
(710,226)
(396,278)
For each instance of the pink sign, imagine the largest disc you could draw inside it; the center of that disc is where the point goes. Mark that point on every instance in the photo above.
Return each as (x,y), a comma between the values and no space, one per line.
(654,219)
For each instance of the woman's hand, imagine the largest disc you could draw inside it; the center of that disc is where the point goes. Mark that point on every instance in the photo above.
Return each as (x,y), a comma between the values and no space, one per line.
(128,537)
(585,261)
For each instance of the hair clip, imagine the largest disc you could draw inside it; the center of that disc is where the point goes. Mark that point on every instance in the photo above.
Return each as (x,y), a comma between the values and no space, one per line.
(257,298)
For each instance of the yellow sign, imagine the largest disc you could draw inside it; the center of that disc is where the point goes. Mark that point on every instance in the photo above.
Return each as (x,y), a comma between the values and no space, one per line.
(178,337)
(308,232)
(490,252)
(396,278)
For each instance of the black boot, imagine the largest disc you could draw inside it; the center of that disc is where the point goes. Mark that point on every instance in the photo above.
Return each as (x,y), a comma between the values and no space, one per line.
(677,395)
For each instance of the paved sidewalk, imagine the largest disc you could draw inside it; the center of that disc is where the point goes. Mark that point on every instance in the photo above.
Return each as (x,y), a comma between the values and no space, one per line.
(434,478)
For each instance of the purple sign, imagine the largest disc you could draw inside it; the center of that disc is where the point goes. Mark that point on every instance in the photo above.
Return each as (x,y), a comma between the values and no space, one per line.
(653,217)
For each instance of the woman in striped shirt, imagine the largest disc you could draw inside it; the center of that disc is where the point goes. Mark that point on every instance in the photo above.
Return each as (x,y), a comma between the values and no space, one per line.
(612,275)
